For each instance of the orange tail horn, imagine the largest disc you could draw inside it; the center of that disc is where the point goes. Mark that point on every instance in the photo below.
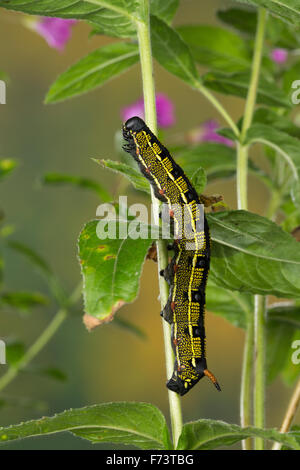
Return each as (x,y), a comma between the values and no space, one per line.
(211,376)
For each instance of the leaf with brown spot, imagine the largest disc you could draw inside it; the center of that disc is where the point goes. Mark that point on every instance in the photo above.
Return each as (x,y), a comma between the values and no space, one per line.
(296,233)
(107,257)
(112,280)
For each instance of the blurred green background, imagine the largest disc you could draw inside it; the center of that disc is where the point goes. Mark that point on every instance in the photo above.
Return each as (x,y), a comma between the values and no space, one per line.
(109,364)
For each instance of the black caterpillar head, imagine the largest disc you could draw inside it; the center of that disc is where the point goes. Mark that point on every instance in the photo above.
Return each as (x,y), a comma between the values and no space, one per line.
(134,124)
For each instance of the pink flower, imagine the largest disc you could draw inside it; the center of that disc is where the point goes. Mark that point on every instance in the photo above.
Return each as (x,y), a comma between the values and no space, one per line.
(56,31)
(279,55)
(207,133)
(164,108)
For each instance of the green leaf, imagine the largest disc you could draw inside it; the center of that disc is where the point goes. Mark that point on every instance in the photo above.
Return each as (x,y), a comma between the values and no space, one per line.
(164,10)
(292,216)
(15,350)
(50,372)
(42,267)
(93,71)
(137,424)
(291,75)
(218,160)
(288,10)
(23,301)
(252,254)
(172,53)
(198,180)
(237,84)
(269,117)
(290,371)
(281,325)
(216,47)
(111,268)
(278,32)
(282,313)
(295,431)
(110,17)
(242,19)
(54,373)
(208,434)
(282,34)
(134,176)
(7,165)
(77,181)
(288,147)
(231,305)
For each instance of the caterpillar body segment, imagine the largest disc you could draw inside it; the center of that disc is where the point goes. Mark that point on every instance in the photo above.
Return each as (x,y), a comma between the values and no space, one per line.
(188,270)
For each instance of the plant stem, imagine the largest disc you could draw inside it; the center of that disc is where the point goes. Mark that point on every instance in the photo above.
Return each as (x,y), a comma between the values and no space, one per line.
(143,30)
(260,301)
(255,71)
(260,365)
(290,414)
(274,204)
(242,154)
(41,341)
(242,177)
(242,202)
(245,398)
(205,92)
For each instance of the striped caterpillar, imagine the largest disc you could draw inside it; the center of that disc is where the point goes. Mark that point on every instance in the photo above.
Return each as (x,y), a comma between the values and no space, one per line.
(188,270)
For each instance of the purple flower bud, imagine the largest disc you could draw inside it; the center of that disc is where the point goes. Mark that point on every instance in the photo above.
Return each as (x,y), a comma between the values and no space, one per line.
(56,31)
(134,109)
(165,111)
(164,108)
(207,133)
(279,55)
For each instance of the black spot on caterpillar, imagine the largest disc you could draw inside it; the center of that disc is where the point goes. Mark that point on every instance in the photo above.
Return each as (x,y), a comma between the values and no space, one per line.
(188,270)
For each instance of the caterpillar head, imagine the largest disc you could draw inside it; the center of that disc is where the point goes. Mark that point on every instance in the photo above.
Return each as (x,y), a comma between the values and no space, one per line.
(131,127)
(134,124)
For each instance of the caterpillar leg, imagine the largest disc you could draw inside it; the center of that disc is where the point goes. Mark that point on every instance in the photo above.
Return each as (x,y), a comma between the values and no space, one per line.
(167,312)
(152,253)
(208,201)
(216,203)
(169,272)
(211,377)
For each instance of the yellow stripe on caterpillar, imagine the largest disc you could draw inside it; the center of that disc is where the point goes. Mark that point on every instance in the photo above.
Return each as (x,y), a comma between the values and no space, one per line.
(186,305)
